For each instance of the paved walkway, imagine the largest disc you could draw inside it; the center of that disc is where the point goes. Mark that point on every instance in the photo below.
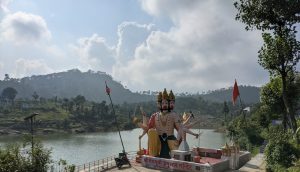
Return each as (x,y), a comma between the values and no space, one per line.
(256,164)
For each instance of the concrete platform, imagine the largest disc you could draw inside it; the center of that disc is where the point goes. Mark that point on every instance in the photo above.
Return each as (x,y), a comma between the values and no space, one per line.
(256,164)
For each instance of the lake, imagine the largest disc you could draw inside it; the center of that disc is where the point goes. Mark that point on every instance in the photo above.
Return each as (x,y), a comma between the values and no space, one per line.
(81,148)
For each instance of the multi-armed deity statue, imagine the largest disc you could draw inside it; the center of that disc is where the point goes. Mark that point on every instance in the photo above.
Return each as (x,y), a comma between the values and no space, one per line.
(163,123)
(160,127)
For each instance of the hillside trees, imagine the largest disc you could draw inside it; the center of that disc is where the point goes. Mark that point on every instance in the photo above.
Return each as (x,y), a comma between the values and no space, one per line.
(79,102)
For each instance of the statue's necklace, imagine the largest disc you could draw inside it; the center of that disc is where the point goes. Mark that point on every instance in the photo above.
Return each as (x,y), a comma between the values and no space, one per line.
(163,122)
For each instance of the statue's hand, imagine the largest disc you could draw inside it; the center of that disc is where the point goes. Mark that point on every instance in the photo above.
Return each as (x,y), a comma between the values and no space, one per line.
(140,136)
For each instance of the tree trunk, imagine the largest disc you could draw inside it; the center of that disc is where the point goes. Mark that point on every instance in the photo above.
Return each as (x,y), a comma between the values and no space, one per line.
(290,116)
(284,121)
(288,113)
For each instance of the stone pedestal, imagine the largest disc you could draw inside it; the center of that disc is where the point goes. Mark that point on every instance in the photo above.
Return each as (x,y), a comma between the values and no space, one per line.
(181,155)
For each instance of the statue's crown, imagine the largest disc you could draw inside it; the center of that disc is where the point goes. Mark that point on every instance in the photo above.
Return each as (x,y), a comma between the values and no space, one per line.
(159,97)
(171,96)
(164,95)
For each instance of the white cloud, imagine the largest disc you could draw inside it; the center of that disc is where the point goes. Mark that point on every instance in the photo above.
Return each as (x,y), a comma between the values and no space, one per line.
(130,36)
(169,8)
(3,6)
(25,67)
(21,27)
(94,53)
(205,49)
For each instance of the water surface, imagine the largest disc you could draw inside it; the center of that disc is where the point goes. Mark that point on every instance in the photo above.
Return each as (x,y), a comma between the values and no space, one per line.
(81,148)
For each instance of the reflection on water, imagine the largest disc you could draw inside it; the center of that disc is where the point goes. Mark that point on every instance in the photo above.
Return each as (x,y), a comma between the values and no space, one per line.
(81,148)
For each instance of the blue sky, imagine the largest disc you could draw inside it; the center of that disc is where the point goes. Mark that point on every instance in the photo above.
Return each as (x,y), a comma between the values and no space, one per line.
(186,45)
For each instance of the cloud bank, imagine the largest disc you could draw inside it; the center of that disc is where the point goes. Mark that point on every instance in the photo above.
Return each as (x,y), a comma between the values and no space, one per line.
(21,27)
(205,49)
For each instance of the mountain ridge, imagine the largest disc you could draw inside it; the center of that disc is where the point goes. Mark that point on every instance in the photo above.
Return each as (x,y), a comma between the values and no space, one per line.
(91,85)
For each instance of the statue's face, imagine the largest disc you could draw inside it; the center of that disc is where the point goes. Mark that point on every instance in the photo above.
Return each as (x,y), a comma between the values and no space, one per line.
(172,104)
(158,105)
(164,104)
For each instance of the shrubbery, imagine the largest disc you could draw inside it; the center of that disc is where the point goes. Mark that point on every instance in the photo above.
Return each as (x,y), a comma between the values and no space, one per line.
(279,152)
(245,132)
(12,159)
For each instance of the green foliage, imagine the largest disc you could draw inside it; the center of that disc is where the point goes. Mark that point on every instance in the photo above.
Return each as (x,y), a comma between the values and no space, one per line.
(294,92)
(67,168)
(245,132)
(41,158)
(267,14)
(71,115)
(280,53)
(272,105)
(225,112)
(271,94)
(35,96)
(9,93)
(279,152)
(12,160)
(281,50)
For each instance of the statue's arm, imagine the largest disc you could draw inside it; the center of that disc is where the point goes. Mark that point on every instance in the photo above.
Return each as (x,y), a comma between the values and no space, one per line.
(192,124)
(151,121)
(144,132)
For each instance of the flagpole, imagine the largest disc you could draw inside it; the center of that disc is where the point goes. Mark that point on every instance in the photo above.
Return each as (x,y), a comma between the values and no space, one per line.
(241,102)
(244,115)
(115,118)
(236,94)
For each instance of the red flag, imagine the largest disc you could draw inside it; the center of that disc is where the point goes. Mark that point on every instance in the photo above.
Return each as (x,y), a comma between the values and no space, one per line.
(235,92)
(107,89)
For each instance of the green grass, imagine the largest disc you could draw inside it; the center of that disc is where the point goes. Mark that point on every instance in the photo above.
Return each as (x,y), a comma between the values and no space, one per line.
(254,151)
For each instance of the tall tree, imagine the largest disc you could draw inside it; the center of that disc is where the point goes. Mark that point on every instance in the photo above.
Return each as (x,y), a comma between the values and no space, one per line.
(279,55)
(225,111)
(35,96)
(272,102)
(6,77)
(281,51)
(9,93)
(79,102)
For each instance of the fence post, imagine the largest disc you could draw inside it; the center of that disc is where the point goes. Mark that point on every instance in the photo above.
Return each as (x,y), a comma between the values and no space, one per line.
(102,163)
(107,162)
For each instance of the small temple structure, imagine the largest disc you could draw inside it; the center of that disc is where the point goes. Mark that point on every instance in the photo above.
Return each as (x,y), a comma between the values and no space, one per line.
(167,152)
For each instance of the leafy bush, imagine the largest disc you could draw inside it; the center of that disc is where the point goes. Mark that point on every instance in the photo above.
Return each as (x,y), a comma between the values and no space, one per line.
(245,132)
(12,159)
(279,152)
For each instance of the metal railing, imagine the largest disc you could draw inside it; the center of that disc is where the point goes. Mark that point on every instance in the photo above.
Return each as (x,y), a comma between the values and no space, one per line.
(102,164)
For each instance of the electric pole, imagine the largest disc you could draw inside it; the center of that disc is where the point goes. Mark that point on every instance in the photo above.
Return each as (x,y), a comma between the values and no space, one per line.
(32,119)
